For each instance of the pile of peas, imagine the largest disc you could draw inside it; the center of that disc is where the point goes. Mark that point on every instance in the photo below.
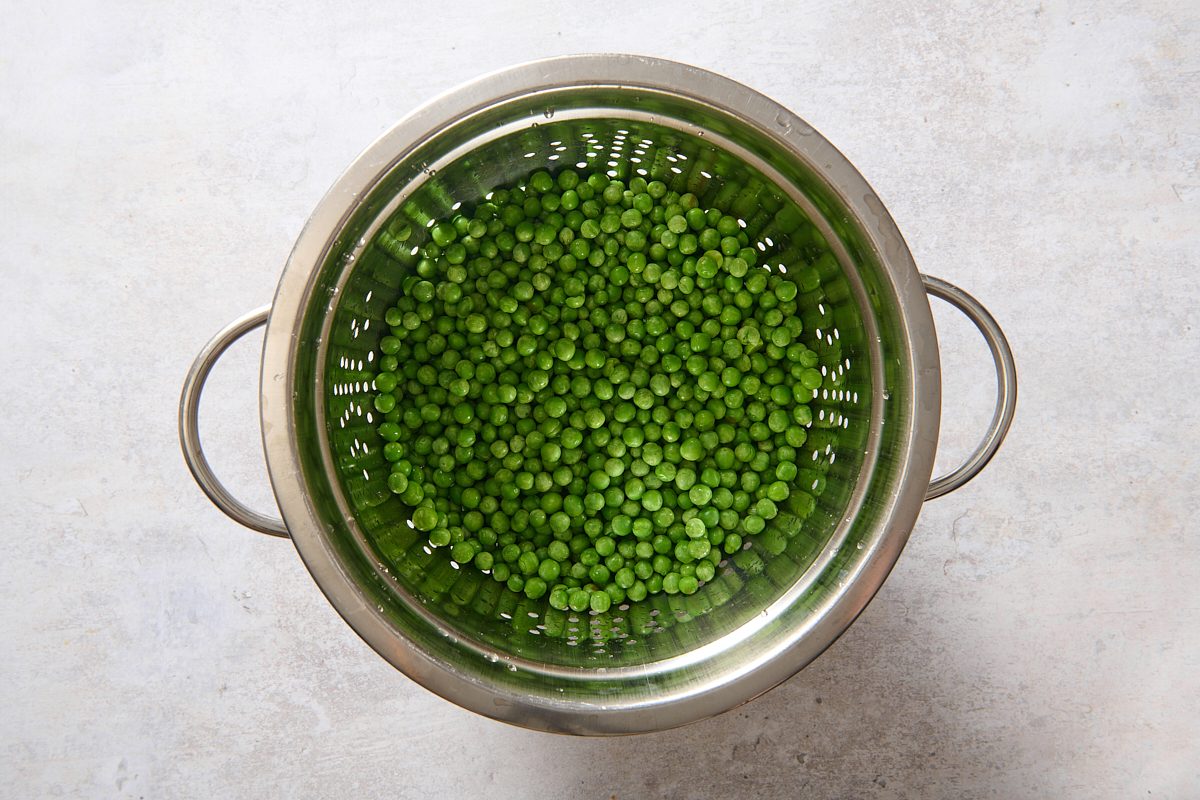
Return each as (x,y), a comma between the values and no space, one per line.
(592,390)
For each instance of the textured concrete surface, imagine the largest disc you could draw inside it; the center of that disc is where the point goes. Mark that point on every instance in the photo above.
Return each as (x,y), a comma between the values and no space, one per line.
(1039,636)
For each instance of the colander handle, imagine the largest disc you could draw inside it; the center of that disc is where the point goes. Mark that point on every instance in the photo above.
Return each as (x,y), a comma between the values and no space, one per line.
(189,426)
(1006,385)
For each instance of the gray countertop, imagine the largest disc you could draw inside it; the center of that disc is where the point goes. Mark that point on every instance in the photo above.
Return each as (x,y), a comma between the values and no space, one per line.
(1038,637)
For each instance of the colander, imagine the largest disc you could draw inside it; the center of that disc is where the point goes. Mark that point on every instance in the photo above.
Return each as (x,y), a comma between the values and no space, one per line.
(772,607)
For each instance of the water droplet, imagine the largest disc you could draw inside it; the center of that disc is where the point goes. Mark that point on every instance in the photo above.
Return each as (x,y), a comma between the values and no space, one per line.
(548,113)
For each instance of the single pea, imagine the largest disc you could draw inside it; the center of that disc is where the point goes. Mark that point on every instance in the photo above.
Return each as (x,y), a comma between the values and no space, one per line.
(598,574)
(424,518)
(385,382)
(549,569)
(559,598)
(398,483)
(642,528)
(528,563)
(700,494)
(463,552)
(625,578)
(685,478)
(579,600)
(691,449)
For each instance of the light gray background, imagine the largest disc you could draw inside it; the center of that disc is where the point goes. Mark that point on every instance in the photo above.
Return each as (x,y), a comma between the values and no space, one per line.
(1038,637)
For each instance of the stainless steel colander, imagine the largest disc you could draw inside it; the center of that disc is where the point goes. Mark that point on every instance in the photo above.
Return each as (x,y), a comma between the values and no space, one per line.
(771,608)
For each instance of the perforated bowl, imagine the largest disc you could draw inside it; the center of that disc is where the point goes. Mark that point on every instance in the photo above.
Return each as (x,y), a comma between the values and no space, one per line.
(771,608)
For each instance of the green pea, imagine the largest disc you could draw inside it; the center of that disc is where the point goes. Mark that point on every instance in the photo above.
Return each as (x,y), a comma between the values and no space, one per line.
(579,600)
(692,450)
(559,598)
(398,483)
(590,387)
(424,518)
(463,552)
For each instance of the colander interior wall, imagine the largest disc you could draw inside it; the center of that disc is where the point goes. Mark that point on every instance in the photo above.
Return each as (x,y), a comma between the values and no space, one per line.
(793,218)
